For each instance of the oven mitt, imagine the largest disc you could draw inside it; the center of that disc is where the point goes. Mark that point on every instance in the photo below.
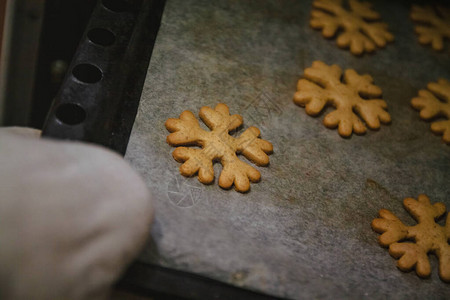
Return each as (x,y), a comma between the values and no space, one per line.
(72,217)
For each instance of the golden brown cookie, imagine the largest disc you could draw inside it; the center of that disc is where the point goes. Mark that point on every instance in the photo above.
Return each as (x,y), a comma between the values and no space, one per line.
(426,236)
(360,32)
(322,85)
(435,103)
(434,25)
(218,145)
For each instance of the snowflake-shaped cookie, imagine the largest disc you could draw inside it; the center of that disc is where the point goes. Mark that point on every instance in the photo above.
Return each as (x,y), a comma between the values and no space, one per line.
(359,31)
(217,145)
(435,103)
(322,85)
(434,25)
(427,236)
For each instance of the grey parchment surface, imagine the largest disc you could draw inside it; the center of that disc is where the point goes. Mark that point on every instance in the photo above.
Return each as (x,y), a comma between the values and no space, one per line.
(304,231)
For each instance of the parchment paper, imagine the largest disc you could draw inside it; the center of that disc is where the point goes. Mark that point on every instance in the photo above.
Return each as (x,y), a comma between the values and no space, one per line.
(304,231)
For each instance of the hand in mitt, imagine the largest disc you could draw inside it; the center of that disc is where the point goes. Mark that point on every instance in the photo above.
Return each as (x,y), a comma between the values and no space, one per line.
(72,217)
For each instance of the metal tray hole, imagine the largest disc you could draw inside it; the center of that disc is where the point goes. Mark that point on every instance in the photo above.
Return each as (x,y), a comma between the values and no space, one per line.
(101,36)
(115,5)
(70,113)
(87,73)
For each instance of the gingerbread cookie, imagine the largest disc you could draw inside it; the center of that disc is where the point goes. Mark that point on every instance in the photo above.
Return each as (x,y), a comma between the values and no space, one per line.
(218,145)
(359,31)
(427,236)
(435,103)
(322,86)
(433,27)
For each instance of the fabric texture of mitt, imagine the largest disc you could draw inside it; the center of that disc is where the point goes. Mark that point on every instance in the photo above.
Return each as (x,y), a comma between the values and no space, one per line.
(361,31)
(433,25)
(428,236)
(435,102)
(322,85)
(72,217)
(217,144)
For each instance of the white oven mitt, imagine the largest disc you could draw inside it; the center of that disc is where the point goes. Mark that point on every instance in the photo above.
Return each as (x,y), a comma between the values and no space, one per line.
(72,217)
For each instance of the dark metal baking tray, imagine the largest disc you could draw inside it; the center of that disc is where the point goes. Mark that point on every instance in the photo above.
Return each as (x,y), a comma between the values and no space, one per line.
(98,99)
(97,103)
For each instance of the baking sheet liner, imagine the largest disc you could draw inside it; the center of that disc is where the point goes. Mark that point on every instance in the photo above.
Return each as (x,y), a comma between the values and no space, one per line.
(304,230)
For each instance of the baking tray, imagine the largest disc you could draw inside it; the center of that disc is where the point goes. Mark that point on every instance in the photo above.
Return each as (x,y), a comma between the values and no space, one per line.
(98,105)
(304,231)
(99,96)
